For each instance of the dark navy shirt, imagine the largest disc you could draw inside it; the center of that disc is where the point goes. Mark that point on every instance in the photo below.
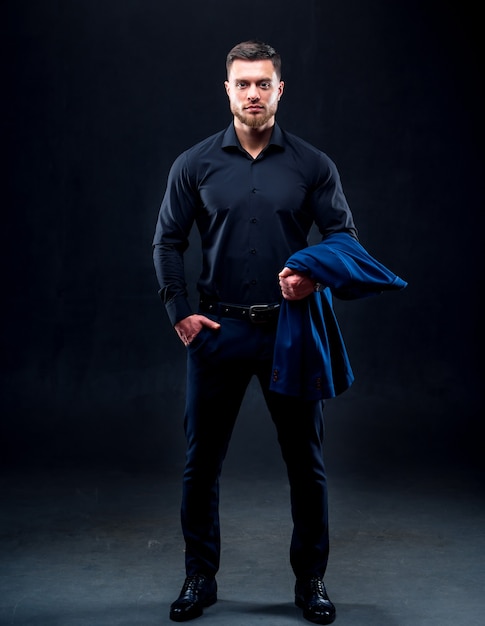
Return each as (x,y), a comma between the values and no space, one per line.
(252,214)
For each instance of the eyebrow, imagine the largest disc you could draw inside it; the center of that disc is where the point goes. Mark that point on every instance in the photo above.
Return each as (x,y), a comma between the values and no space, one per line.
(248,80)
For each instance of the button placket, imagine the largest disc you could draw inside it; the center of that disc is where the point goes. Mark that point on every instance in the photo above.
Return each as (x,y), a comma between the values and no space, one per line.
(253,220)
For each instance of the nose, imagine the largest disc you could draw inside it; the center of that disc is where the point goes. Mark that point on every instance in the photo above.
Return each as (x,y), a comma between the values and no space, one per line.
(253,93)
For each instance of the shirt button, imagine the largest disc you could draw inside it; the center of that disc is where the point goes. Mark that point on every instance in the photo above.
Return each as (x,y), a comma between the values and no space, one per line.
(253,190)
(254,220)
(253,251)
(254,282)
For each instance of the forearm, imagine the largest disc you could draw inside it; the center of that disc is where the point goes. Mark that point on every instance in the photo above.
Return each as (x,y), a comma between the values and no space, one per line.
(169,268)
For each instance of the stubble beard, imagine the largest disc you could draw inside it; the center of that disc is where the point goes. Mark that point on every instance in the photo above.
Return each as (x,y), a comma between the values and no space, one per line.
(254,121)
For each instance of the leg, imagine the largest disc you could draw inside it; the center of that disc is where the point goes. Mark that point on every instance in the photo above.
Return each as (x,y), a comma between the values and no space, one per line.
(300,431)
(214,396)
(300,434)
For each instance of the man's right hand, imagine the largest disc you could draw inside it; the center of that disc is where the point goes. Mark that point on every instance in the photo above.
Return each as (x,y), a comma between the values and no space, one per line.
(188,328)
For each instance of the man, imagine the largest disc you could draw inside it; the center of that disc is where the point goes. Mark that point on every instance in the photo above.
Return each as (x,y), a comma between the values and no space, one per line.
(253,192)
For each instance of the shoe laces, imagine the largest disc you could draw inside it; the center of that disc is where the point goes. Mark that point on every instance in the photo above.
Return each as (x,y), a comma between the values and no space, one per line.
(318,586)
(192,582)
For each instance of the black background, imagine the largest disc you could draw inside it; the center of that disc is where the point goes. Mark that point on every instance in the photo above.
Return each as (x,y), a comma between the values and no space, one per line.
(99,98)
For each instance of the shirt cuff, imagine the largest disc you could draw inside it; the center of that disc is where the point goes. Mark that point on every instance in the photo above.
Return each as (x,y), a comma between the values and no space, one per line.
(178,309)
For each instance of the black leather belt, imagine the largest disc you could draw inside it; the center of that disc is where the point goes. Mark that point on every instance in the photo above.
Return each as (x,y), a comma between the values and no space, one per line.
(256,313)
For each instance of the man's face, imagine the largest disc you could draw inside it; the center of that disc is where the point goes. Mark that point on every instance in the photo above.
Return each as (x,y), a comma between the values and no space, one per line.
(254,91)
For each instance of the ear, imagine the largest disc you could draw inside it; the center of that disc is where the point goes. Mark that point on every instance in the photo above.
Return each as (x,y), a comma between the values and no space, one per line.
(226,86)
(281,88)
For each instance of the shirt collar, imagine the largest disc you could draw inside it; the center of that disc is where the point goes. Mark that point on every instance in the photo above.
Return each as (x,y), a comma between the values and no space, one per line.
(230,139)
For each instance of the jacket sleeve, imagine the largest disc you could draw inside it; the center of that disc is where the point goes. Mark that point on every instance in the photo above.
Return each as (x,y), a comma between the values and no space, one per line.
(341,263)
(310,358)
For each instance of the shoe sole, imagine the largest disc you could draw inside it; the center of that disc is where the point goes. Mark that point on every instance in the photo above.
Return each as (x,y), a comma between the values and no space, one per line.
(320,620)
(196,613)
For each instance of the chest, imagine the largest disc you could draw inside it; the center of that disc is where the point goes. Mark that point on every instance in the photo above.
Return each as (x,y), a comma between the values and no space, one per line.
(270,185)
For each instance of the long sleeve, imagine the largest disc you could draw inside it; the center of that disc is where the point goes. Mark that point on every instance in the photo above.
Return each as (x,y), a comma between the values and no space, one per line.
(175,220)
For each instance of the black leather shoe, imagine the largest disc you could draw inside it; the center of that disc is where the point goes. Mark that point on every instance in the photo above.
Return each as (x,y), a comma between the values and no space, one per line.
(311,596)
(197,593)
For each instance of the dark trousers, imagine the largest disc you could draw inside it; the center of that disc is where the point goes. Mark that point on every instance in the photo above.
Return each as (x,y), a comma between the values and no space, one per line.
(220,365)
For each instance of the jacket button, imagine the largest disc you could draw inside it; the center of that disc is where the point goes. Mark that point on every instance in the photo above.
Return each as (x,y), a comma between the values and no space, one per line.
(275,375)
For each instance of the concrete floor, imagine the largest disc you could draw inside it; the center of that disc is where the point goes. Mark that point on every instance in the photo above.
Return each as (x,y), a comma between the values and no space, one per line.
(103,548)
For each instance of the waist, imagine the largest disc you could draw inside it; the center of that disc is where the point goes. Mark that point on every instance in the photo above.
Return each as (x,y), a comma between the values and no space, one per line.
(255,313)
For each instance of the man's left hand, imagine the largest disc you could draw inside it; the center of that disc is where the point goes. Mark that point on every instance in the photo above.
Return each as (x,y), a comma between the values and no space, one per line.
(295,285)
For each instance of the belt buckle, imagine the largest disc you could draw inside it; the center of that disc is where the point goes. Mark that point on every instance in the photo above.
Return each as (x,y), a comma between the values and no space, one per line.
(261,313)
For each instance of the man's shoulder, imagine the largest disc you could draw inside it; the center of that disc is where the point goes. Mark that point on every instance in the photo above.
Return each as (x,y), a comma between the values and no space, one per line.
(299,143)
(198,153)
(308,154)
(209,143)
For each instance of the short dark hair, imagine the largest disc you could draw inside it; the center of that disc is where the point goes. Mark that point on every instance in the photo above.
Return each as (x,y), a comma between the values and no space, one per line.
(254,50)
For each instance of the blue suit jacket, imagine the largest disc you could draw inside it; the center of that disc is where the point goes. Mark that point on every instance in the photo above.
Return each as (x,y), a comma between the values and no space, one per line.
(310,358)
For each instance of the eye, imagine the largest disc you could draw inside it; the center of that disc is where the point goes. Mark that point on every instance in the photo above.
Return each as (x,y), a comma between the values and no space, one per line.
(265,84)
(241,84)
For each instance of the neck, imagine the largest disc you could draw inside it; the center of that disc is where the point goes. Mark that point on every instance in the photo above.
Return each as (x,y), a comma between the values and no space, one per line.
(253,140)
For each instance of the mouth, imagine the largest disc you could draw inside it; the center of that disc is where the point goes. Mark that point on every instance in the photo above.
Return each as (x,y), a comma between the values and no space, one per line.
(254,108)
